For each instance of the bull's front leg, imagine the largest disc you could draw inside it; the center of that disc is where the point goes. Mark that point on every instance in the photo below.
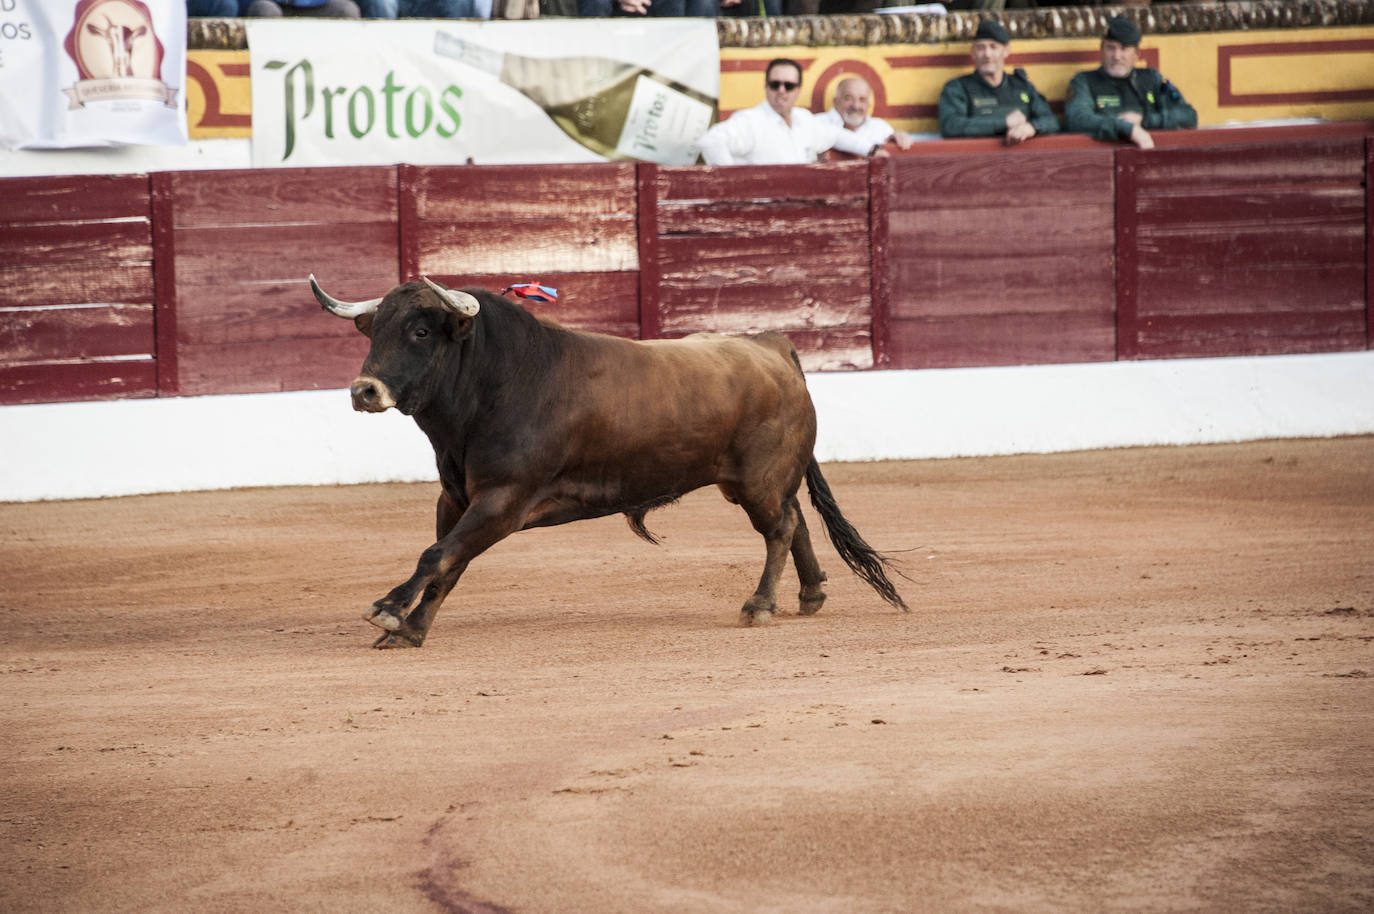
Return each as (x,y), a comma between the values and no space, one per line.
(485,522)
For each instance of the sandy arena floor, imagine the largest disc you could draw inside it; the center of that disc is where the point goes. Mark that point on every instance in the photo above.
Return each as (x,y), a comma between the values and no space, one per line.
(1133,681)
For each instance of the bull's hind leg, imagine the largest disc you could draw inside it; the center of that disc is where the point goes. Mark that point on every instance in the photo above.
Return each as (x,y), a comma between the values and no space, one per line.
(776,525)
(808,568)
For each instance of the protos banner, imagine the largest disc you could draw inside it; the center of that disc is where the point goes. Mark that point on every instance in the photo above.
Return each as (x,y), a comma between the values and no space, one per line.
(92,73)
(442,92)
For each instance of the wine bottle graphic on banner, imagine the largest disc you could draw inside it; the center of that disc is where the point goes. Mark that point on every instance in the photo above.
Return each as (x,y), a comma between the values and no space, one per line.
(616,109)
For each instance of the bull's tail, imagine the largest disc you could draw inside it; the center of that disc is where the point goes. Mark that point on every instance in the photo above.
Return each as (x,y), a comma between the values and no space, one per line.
(862,559)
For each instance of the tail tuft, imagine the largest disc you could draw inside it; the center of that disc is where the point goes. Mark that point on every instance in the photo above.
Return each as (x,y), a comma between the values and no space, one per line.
(862,559)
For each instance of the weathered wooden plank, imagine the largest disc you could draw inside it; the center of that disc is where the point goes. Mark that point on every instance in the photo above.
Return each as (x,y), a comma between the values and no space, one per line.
(565,245)
(237,255)
(741,310)
(1013,339)
(307,196)
(1328,161)
(218,314)
(272,365)
(773,261)
(1010,180)
(998,283)
(819,349)
(62,243)
(85,332)
(74,198)
(752,218)
(765,182)
(1219,288)
(56,382)
(599,302)
(1279,245)
(505,196)
(833,348)
(960,234)
(87,283)
(1207,336)
(1251,208)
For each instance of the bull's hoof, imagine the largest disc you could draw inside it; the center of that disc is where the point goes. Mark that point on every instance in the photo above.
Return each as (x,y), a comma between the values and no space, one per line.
(761,617)
(382,618)
(396,639)
(811,603)
(756,612)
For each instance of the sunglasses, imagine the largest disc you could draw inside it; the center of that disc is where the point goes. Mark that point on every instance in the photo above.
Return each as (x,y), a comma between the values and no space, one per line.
(782,85)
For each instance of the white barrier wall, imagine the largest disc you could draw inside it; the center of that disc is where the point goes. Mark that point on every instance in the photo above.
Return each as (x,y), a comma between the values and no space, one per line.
(126,447)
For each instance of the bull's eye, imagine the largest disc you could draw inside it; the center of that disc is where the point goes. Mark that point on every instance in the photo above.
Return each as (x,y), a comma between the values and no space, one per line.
(421,332)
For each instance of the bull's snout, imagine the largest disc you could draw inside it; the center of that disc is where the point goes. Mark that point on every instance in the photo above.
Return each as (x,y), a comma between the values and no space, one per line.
(370,395)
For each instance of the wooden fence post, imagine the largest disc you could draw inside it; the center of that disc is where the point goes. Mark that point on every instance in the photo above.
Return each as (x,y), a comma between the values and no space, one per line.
(646,179)
(879,170)
(164,284)
(1127,255)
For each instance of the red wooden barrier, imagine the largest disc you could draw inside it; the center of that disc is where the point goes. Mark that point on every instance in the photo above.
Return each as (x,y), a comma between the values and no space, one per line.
(1255,249)
(567,226)
(1000,260)
(242,243)
(76,289)
(752,248)
(1067,250)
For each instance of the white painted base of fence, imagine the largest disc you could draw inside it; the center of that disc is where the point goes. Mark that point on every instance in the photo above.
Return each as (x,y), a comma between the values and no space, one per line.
(127,447)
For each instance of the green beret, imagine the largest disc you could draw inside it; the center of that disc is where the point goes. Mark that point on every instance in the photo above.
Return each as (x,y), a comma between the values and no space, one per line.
(992,30)
(1123,31)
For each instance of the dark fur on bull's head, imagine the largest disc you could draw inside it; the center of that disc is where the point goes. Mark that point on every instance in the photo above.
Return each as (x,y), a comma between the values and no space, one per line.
(417,331)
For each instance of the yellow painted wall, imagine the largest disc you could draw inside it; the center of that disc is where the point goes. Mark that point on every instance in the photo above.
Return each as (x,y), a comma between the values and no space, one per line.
(1324,73)
(1271,67)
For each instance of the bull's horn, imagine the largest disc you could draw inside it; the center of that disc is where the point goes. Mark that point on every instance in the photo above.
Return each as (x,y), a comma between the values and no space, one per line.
(341,308)
(461,302)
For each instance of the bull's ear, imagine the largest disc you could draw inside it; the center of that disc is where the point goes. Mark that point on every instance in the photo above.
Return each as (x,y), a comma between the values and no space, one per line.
(458,326)
(364,323)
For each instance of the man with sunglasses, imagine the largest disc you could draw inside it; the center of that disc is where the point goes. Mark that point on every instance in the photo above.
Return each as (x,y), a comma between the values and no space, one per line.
(775,132)
(990,101)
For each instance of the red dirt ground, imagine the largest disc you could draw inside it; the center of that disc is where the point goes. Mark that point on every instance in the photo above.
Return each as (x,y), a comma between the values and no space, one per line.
(1134,680)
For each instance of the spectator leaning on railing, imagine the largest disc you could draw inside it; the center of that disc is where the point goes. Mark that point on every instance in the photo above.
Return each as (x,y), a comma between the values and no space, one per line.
(849,111)
(1120,101)
(990,101)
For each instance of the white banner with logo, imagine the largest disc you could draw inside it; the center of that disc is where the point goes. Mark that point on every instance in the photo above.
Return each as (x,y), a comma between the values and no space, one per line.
(446,92)
(92,73)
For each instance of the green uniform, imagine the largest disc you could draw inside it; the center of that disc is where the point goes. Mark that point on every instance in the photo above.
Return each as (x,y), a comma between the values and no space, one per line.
(970,107)
(1095,100)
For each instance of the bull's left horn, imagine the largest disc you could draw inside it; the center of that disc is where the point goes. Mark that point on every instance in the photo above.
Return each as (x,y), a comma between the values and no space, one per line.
(341,308)
(462,302)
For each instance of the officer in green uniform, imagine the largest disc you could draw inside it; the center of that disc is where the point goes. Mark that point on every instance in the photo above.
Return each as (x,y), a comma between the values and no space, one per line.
(990,101)
(1120,101)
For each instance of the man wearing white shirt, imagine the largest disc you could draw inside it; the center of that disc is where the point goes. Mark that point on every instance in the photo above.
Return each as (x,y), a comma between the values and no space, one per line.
(850,112)
(774,132)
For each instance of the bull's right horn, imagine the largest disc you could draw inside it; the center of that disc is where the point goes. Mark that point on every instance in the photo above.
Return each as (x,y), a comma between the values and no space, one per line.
(341,308)
(465,304)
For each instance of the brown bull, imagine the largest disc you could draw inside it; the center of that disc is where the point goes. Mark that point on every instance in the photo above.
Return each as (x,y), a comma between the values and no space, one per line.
(533,425)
